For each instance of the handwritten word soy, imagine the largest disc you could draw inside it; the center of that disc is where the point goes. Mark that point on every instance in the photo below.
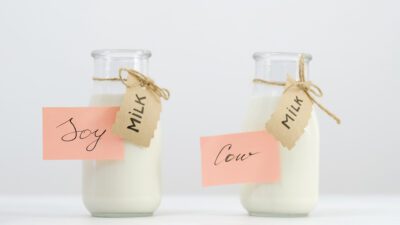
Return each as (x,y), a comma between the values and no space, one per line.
(81,134)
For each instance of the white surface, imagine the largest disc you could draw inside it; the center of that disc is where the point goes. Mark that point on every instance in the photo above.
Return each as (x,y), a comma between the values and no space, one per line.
(202,53)
(339,210)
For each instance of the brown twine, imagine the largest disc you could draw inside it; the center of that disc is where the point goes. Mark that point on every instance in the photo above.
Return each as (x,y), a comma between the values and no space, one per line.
(308,87)
(144,81)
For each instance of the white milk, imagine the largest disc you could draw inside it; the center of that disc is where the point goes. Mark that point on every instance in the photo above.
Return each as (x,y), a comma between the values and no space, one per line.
(128,187)
(296,193)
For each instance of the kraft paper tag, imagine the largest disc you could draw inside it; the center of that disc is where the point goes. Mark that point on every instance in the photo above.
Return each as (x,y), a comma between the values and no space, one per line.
(250,157)
(291,116)
(139,113)
(80,133)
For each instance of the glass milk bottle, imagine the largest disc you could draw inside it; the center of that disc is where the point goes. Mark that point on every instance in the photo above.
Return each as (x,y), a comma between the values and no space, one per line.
(128,187)
(296,193)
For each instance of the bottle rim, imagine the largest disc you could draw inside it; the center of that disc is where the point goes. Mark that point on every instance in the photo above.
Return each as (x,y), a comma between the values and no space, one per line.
(121,53)
(281,55)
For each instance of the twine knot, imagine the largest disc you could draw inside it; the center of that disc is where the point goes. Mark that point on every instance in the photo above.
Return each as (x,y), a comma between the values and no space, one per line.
(144,81)
(309,88)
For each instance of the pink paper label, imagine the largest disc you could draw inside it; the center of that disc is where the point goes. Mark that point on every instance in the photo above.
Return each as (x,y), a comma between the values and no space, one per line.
(251,157)
(80,133)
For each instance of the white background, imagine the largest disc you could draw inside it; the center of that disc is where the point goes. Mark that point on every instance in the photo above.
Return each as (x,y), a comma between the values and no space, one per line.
(202,53)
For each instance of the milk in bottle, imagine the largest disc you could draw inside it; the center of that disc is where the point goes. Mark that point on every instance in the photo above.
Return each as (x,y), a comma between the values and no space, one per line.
(296,192)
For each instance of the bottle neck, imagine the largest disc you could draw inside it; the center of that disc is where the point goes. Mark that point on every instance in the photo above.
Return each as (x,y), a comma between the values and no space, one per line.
(107,64)
(277,67)
(109,67)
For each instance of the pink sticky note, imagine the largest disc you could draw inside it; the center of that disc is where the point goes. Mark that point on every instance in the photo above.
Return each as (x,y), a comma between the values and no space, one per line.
(251,157)
(80,133)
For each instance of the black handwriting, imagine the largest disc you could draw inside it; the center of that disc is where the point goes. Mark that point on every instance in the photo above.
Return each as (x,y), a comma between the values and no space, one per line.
(81,134)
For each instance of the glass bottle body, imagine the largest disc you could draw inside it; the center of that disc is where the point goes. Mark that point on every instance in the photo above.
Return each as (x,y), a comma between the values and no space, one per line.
(128,187)
(296,192)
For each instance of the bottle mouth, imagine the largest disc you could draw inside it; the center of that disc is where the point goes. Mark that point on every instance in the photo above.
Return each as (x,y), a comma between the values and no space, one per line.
(121,53)
(282,56)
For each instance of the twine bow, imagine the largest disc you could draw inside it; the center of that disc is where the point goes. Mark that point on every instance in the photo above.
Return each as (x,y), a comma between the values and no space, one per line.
(310,89)
(144,81)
